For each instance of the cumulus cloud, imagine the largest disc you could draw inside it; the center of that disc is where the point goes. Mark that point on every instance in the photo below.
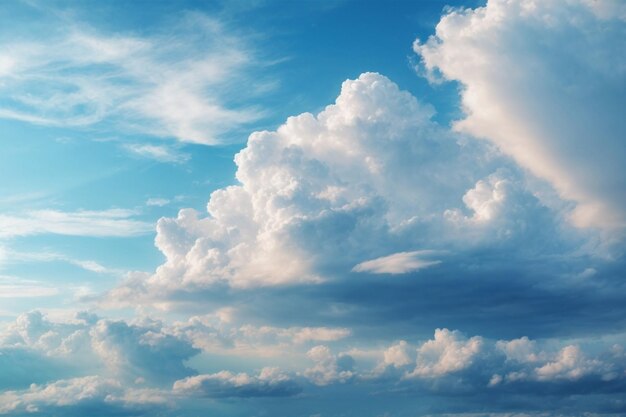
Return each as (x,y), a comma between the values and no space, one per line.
(329,368)
(270,382)
(368,175)
(544,82)
(569,363)
(118,348)
(448,352)
(142,350)
(71,394)
(174,84)
(397,355)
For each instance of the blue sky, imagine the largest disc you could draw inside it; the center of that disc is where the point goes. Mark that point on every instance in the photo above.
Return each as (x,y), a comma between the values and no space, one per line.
(312,208)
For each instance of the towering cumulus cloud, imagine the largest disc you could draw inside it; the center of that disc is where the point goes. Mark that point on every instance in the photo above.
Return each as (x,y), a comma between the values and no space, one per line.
(369,177)
(544,81)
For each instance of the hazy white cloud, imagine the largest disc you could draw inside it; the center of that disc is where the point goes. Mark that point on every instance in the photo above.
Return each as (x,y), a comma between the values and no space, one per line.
(159,153)
(11,256)
(112,222)
(398,263)
(270,382)
(220,333)
(174,84)
(13,287)
(544,82)
(157,201)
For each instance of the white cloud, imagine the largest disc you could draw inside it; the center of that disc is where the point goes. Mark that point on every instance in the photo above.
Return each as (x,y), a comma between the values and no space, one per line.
(397,355)
(521,350)
(159,153)
(544,82)
(126,350)
(11,256)
(329,368)
(270,382)
(216,333)
(112,222)
(398,263)
(448,352)
(322,193)
(177,84)
(570,363)
(156,201)
(87,391)
(13,287)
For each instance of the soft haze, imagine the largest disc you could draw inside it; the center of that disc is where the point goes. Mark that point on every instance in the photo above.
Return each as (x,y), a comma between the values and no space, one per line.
(332,208)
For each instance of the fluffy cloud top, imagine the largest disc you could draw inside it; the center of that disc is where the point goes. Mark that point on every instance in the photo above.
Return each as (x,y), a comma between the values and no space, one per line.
(368,175)
(544,82)
(448,352)
(329,368)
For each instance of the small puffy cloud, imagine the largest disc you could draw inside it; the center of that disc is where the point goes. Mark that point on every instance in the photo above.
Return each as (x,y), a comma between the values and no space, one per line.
(448,352)
(270,382)
(570,363)
(398,263)
(521,350)
(397,355)
(544,82)
(329,368)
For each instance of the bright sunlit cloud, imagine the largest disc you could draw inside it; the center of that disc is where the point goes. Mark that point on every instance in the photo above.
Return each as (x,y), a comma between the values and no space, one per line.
(298,209)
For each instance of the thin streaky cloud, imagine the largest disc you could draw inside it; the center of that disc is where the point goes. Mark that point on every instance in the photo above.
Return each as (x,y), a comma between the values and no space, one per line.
(172,85)
(112,222)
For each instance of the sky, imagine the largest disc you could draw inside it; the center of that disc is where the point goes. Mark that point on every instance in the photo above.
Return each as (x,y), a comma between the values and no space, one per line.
(313,208)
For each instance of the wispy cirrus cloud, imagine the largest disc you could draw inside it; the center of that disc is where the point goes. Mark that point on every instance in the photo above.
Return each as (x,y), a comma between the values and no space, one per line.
(159,153)
(175,84)
(10,256)
(112,222)
(12,287)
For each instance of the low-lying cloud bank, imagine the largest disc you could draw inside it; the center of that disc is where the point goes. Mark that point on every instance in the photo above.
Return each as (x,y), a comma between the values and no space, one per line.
(140,367)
